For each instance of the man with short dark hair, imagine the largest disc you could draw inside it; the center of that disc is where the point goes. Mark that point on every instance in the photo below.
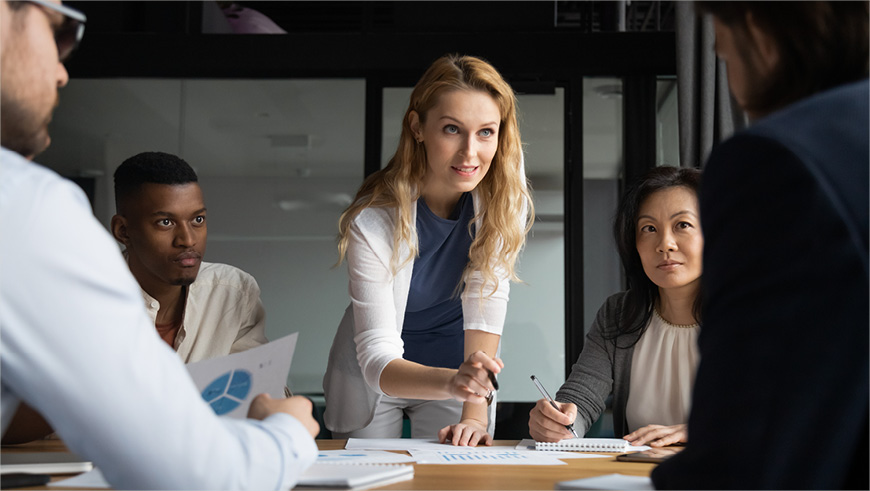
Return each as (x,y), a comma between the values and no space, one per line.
(202,310)
(782,394)
(76,344)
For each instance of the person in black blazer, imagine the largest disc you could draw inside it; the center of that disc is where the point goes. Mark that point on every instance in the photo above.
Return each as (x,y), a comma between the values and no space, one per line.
(781,394)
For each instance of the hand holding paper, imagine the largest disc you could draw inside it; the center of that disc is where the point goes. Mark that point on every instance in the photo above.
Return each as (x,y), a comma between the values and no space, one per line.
(299,407)
(229,383)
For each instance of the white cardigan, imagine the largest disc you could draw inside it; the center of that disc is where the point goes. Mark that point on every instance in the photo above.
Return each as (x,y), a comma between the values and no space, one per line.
(370,333)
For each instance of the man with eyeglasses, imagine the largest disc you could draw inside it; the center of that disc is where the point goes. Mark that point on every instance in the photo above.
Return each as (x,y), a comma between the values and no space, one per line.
(27,110)
(75,341)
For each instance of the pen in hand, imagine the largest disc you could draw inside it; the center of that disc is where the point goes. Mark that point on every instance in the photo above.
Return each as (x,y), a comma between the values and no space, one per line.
(552,402)
(491,395)
(493,380)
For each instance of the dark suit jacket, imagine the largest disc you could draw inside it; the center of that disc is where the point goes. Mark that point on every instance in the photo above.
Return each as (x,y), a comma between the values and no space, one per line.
(781,394)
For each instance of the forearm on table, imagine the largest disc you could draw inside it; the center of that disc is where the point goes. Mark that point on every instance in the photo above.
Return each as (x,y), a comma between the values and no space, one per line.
(409,380)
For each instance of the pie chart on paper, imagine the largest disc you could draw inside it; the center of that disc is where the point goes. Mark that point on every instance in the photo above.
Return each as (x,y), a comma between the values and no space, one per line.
(228,391)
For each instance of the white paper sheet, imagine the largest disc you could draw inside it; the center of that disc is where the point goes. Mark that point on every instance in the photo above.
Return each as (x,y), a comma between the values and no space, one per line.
(91,479)
(526,444)
(488,456)
(396,444)
(44,463)
(608,481)
(408,444)
(361,457)
(414,445)
(229,383)
(355,477)
(340,458)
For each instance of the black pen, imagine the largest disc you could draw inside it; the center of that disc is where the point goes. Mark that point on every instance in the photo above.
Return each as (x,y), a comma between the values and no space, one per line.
(493,380)
(489,396)
(552,402)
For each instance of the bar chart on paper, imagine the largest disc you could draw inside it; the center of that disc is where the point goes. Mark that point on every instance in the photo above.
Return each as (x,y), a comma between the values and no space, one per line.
(483,456)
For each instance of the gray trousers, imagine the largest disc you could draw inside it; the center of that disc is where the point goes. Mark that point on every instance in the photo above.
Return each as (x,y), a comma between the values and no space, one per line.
(427,418)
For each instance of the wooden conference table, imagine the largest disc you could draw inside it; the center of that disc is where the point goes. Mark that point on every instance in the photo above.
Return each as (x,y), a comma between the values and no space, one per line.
(451,476)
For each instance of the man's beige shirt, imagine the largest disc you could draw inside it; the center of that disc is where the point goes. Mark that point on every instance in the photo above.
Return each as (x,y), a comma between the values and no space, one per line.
(223,314)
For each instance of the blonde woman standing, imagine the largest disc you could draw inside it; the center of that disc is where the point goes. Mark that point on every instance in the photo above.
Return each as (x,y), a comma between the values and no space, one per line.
(431,243)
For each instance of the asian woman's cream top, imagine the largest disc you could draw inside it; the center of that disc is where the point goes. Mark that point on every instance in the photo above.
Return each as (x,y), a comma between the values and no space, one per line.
(663,370)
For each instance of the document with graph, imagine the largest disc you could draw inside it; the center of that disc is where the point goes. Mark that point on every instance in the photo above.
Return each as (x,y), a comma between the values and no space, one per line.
(484,455)
(229,383)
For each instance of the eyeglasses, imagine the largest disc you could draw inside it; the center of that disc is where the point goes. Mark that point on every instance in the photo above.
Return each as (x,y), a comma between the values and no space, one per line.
(70,32)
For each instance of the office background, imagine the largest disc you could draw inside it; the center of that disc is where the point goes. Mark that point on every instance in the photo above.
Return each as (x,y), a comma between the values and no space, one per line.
(282,128)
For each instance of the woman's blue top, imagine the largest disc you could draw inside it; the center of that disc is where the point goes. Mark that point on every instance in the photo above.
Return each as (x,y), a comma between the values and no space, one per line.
(432,330)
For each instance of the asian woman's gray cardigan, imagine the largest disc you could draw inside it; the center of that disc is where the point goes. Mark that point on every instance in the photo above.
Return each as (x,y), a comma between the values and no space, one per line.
(602,368)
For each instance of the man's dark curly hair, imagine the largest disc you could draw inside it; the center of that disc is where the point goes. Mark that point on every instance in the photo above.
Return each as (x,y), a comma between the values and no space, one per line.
(150,167)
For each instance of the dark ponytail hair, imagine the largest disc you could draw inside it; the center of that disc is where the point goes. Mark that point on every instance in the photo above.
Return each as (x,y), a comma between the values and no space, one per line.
(642,292)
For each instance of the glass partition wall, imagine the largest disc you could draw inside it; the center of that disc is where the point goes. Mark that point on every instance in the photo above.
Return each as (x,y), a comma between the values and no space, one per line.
(278,161)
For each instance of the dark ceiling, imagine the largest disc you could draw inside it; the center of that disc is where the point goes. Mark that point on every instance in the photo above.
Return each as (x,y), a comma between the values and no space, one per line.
(394,16)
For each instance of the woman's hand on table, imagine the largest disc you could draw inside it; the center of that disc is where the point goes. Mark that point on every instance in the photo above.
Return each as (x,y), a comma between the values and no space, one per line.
(658,435)
(468,432)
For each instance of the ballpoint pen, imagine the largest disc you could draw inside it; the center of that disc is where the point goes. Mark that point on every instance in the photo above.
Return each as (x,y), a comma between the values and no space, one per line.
(552,403)
(490,396)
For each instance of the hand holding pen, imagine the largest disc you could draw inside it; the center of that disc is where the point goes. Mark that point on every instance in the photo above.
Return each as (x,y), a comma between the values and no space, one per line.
(475,383)
(475,380)
(543,423)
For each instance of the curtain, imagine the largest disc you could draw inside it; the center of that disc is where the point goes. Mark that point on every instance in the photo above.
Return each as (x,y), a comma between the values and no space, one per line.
(707,112)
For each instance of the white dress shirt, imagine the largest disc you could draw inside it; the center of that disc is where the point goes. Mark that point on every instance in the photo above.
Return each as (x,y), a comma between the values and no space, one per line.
(76,345)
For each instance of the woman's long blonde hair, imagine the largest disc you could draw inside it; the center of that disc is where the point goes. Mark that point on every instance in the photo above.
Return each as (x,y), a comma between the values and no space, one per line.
(505,208)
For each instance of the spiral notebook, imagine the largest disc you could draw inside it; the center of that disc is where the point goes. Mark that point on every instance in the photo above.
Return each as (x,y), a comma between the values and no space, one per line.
(590,445)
